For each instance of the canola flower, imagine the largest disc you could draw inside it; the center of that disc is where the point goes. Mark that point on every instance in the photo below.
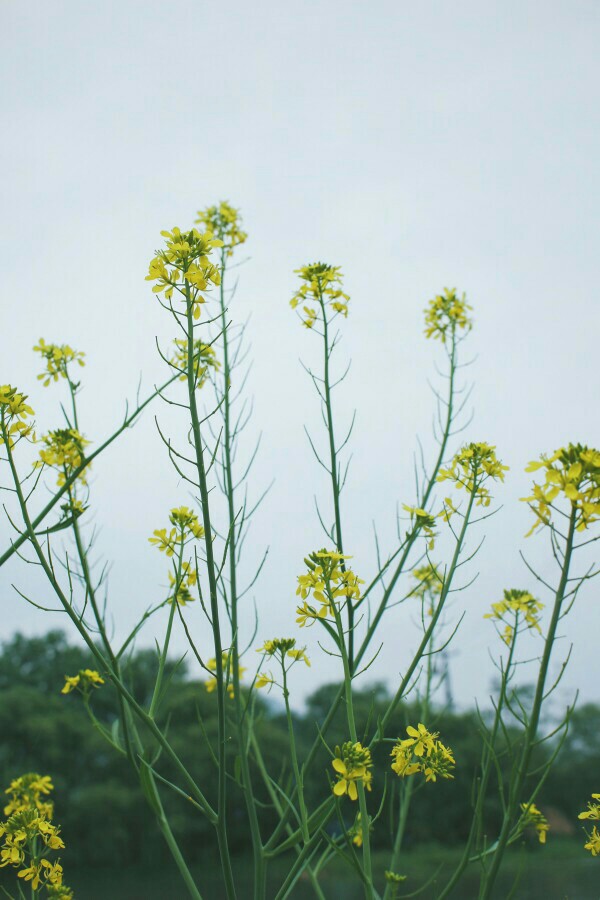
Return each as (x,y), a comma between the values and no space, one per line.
(422,752)
(186,527)
(64,450)
(58,357)
(355,833)
(516,605)
(423,521)
(84,682)
(283,649)
(471,467)
(30,791)
(573,473)
(446,314)
(352,764)
(429,585)
(183,266)
(204,359)
(14,412)
(28,836)
(224,221)
(394,880)
(326,582)
(228,663)
(322,285)
(532,817)
(182,587)
(592,813)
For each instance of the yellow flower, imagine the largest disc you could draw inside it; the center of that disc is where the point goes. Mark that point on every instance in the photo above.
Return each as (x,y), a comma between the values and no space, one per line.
(187,580)
(531,816)
(32,873)
(84,681)
(223,221)
(516,604)
(326,581)
(422,752)
(14,410)
(284,647)
(204,360)
(447,313)
(322,284)
(424,521)
(58,357)
(593,843)
(184,261)
(473,465)
(185,527)
(352,763)
(64,451)
(593,810)
(227,659)
(574,472)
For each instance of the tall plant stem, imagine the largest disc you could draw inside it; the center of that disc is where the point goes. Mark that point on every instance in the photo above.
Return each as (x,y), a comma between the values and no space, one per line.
(333,466)
(257,846)
(516,786)
(221,824)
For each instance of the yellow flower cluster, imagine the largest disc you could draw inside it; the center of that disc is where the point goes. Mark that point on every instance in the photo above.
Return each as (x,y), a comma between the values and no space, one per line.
(282,648)
(422,752)
(447,313)
(184,263)
(322,284)
(516,604)
(326,581)
(224,222)
(84,681)
(429,580)
(228,663)
(352,763)
(14,410)
(185,527)
(532,817)
(423,521)
(355,833)
(574,472)
(187,580)
(205,359)
(58,357)
(64,450)
(593,813)
(28,834)
(473,465)
(429,584)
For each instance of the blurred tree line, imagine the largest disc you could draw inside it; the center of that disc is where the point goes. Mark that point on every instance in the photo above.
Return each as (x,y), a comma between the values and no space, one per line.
(104,817)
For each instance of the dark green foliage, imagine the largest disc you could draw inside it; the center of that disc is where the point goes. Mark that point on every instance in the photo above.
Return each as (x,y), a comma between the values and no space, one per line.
(101,808)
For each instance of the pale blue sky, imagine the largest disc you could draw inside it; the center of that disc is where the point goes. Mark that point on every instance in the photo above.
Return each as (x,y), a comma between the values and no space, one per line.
(416,146)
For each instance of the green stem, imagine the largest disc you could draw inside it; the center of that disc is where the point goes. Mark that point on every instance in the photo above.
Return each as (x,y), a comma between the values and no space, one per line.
(486,768)
(276,801)
(362,800)
(257,846)
(296,768)
(333,463)
(516,786)
(163,656)
(214,605)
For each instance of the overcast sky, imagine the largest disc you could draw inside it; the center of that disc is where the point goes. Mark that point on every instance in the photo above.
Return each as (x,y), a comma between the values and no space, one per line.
(416,146)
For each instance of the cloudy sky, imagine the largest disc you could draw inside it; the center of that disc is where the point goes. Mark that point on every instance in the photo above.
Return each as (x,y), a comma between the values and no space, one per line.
(415,145)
